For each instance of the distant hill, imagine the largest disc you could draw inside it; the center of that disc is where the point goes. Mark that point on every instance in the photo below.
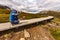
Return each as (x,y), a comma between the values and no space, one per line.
(50,13)
(4,7)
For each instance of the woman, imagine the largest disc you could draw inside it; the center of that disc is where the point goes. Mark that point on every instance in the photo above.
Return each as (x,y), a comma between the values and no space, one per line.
(14,17)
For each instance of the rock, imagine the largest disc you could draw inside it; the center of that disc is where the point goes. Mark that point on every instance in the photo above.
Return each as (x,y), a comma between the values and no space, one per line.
(17,33)
(6,39)
(46,38)
(26,34)
(22,39)
(35,37)
(6,35)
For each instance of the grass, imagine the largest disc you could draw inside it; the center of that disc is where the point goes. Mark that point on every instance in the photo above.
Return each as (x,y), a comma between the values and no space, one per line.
(4,15)
(4,18)
(55,33)
(29,16)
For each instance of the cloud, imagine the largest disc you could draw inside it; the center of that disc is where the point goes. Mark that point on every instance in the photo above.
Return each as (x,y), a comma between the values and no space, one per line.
(32,5)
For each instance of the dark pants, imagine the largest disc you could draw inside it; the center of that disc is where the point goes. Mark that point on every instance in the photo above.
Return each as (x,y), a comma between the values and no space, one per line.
(15,22)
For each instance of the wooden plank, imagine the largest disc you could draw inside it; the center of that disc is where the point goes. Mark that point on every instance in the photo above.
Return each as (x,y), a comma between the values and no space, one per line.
(6,26)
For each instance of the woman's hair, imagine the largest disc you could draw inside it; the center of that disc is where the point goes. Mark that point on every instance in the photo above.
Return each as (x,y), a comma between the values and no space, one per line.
(13,10)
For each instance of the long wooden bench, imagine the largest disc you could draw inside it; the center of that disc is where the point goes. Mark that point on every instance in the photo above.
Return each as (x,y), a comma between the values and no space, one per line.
(6,26)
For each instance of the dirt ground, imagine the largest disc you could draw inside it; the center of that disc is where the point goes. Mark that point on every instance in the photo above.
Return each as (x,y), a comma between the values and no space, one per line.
(36,32)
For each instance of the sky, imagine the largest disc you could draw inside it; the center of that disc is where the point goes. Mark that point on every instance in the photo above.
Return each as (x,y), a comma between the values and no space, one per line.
(32,6)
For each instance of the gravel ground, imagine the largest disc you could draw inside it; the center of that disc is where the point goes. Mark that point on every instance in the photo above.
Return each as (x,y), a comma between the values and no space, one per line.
(31,32)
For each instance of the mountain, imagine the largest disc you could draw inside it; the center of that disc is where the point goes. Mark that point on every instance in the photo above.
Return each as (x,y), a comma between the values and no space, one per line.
(50,13)
(4,7)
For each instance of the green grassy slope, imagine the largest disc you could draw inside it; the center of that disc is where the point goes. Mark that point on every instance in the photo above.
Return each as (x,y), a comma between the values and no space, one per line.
(51,13)
(4,15)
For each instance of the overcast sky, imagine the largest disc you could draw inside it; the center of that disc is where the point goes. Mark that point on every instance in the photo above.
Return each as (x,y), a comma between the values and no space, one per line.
(32,5)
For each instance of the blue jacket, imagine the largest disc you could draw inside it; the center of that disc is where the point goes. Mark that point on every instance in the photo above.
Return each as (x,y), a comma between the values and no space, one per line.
(13,16)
